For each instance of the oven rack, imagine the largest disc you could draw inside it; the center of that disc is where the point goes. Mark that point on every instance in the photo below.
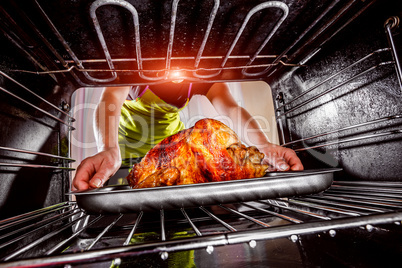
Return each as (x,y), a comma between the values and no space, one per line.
(380,120)
(71,119)
(48,114)
(337,141)
(370,206)
(288,110)
(243,63)
(390,24)
(285,109)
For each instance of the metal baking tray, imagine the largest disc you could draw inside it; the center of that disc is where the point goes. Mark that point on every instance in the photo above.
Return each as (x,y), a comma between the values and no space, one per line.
(123,199)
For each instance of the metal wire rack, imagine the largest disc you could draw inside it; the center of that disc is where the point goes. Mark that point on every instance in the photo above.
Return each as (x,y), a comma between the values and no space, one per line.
(290,107)
(48,114)
(92,238)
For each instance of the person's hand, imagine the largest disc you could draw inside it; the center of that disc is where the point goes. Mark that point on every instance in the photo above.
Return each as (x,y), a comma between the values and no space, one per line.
(281,159)
(94,171)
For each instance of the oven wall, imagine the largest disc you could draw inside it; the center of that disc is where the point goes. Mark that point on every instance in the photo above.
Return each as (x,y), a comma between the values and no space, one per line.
(24,127)
(370,96)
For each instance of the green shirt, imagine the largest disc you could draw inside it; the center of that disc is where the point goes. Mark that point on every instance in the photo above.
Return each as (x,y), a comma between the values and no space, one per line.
(146,121)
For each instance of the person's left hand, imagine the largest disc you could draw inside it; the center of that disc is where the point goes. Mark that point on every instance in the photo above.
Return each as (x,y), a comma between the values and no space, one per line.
(281,159)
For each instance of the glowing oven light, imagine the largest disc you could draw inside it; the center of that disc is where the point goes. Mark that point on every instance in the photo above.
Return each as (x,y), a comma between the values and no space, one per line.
(177,76)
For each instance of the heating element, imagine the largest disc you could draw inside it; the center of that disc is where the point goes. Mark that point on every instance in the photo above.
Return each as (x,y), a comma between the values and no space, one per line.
(226,66)
(369,206)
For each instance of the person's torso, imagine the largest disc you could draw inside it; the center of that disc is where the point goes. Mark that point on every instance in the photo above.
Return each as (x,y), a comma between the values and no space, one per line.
(146,118)
(159,102)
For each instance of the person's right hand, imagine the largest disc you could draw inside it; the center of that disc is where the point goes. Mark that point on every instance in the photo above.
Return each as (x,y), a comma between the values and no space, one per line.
(94,171)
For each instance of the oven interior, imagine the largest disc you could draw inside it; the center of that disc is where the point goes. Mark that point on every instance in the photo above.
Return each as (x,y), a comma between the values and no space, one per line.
(335,76)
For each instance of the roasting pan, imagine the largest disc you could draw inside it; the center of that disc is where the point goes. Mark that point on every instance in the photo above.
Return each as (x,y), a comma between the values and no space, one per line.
(122,199)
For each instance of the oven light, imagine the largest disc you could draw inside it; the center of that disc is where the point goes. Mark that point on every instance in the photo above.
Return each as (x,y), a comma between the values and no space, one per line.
(177,76)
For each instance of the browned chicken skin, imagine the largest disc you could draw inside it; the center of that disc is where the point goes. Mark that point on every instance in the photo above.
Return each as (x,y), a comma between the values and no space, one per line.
(209,151)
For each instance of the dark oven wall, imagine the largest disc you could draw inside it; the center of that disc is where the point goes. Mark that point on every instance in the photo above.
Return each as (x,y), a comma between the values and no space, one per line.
(347,82)
(33,134)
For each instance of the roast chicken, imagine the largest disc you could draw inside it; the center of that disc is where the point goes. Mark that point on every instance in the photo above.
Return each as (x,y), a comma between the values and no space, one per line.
(208,152)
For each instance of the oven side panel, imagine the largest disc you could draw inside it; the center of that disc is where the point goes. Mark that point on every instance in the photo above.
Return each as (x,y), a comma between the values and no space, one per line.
(366,91)
(28,124)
